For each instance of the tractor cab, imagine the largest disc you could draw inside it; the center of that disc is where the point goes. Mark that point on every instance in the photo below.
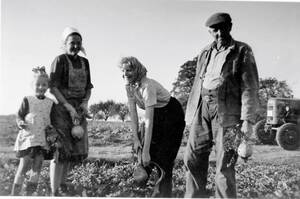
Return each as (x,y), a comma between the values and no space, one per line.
(283,110)
(282,123)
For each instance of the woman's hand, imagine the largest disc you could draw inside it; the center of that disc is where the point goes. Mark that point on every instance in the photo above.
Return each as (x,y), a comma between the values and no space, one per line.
(84,106)
(146,158)
(71,110)
(22,125)
(137,144)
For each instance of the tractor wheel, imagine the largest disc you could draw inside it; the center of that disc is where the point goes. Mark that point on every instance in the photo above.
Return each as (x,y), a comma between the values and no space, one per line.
(288,136)
(265,137)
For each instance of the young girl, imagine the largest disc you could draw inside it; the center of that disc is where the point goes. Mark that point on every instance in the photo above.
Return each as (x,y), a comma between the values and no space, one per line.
(164,121)
(32,119)
(70,83)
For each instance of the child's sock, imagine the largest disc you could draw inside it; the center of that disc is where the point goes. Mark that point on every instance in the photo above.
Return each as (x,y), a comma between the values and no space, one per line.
(16,189)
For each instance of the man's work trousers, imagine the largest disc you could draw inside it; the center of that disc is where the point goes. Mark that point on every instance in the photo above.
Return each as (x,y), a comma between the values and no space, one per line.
(204,133)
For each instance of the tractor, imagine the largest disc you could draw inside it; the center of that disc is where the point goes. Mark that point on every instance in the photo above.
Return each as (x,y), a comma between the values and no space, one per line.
(282,123)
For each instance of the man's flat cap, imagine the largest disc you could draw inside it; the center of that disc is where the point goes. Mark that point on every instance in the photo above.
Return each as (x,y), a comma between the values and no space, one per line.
(218,18)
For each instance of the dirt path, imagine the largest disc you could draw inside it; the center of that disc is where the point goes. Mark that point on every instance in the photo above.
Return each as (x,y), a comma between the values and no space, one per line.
(260,153)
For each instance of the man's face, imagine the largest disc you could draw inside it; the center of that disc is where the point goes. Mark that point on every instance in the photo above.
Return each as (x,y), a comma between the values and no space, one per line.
(220,33)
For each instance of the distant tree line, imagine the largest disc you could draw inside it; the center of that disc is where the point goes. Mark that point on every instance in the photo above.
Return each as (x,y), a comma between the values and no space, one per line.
(105,109)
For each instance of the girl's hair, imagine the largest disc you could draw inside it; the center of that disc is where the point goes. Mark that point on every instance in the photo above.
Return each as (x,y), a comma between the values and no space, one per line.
(136,65)
(40,72)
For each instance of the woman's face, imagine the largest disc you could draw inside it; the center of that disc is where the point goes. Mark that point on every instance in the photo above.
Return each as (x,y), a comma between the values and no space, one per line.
(129,73)
(73,44)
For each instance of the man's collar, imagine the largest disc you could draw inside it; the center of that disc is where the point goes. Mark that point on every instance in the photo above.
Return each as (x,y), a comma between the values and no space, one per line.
(41,97)
(228,44)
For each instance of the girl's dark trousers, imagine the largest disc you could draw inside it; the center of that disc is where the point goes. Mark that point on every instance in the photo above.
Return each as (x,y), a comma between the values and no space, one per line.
(167,133)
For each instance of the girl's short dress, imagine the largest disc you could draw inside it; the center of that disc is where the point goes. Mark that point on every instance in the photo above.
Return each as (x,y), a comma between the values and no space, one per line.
(72,78)
(31,141)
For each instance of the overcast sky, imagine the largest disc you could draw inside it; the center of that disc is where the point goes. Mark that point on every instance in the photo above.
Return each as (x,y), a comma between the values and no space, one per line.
(162,34)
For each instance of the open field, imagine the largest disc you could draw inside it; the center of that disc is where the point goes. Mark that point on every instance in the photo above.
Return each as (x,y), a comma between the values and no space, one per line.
(271,173)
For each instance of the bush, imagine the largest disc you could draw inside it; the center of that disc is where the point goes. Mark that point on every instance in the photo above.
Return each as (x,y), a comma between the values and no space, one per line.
(108,133)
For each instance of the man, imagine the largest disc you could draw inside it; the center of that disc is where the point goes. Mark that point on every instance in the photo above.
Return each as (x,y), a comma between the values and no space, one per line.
(221,105)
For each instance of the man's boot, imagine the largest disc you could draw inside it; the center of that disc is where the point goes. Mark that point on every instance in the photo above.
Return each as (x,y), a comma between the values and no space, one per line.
(55,193)
(16,189)
(64,189)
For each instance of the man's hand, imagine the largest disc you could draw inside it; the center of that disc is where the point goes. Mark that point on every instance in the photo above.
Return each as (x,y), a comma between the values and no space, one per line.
(247,129)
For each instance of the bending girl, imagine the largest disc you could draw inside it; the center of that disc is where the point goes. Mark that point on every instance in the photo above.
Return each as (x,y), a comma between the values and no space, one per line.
(164,120)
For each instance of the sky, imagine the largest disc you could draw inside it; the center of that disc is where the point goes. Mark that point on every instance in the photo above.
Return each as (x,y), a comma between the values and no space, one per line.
(162,34)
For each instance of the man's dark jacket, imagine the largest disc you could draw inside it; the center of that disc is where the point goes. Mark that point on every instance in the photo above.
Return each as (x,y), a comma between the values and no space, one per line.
(238,93)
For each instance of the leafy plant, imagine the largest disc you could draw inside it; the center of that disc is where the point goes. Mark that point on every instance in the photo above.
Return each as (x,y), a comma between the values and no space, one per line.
(102,178)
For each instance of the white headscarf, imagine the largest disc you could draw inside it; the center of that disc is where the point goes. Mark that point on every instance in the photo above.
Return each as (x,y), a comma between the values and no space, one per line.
(67,31)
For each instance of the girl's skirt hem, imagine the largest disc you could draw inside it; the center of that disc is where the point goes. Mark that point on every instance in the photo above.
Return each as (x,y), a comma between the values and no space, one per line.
(32,152)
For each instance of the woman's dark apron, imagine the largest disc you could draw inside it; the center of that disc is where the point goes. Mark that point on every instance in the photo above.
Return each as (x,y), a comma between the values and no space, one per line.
(75,150)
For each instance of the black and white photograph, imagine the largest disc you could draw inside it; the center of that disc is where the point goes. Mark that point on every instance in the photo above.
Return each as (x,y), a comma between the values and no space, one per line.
(150,98)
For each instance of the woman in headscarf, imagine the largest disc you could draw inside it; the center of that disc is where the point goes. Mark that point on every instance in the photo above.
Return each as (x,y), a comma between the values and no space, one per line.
(70,83)
(164,121)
